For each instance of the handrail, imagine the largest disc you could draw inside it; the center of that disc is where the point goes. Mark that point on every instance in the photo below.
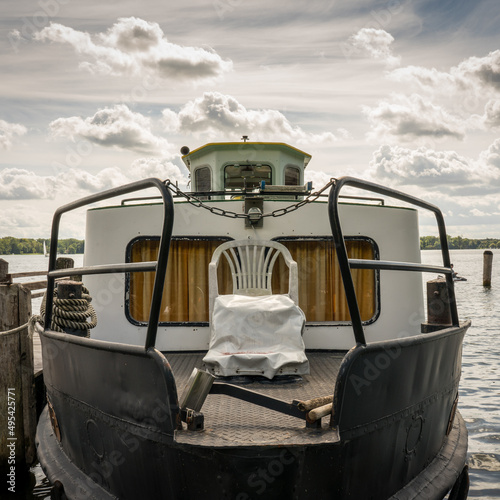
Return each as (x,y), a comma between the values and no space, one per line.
(204,194)
(159,266)
(346,264)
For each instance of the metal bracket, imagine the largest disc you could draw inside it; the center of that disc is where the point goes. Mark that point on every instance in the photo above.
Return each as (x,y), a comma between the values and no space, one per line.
(195,420)
(254,208)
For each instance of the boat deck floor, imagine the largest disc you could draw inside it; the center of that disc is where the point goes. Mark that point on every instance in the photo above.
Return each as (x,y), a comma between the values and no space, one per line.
(232,422)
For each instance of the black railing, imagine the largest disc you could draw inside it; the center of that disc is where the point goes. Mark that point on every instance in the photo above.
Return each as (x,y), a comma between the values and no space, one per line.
(346,264)
(160,266)
(204,195)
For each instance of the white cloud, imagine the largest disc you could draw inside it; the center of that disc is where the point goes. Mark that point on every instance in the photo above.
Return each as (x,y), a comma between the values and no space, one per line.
(317,177)
(484,70)
(491,157)
(113,127)
(377,43)
(411,118)
(20,184)
(132,47)
(155,167)
(445,171)
(474,74)
(492,113)
(217,114)
(8,132)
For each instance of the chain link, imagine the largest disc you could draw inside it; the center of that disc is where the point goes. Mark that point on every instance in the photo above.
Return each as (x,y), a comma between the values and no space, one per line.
(311,197)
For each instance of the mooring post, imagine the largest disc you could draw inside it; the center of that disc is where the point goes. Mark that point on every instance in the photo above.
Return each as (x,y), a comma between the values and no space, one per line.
(17,399)
(4,270)
(438,306)
(487,267)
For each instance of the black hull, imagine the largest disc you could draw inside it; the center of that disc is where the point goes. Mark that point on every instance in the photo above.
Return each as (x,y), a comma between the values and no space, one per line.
(120,432)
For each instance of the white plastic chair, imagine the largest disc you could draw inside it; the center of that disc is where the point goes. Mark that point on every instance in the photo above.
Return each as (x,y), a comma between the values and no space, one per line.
(254,332)
(251,263)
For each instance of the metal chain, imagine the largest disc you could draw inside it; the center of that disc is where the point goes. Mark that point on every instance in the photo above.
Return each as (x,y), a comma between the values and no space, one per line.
(311,197)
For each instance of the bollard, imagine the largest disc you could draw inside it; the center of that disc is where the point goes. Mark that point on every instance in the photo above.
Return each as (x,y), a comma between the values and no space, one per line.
(4,270)
(487,267)
(68,289)
(438,306)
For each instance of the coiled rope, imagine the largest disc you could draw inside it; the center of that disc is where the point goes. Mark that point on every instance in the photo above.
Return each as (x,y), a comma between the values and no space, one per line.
(72,314)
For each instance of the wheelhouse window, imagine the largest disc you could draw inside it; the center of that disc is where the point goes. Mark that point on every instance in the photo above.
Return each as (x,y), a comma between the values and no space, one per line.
(321,291)
(292,175)
(238,176)
(202,179)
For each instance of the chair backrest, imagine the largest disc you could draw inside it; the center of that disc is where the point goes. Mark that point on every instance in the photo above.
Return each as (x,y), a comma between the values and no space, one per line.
(251,263)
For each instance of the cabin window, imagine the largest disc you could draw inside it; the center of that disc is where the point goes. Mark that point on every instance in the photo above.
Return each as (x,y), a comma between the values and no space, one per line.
(203,179)
(292,176)
(321,291)
(237,176)
(185,293)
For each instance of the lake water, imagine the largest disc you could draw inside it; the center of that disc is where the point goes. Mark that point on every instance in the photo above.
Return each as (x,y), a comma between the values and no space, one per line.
(480,383)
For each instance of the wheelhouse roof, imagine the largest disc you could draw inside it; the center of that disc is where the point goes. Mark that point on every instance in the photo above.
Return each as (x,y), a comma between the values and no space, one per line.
(241,146)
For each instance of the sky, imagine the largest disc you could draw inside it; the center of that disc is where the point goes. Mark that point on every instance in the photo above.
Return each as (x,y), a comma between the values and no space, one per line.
(97,94)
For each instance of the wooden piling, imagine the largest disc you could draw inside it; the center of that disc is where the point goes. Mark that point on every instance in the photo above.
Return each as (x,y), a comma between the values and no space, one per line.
(487,267)
(438,306)
(17,398)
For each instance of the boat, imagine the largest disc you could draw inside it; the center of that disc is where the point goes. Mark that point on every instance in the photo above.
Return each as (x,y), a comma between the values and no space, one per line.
(254,337)
(45,249)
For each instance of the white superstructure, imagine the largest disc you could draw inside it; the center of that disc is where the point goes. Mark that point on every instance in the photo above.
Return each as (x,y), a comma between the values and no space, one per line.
(114,234)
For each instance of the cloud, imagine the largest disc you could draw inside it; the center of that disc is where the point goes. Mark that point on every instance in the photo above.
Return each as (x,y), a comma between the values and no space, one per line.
(376,43)
(491,157)
(317,177)
(20,184)
(411,118)
(218,114)
(160,168)
(132,47)
(485,70)
(446,171)
(492,113)
(8,132)
(112,127)
(476,74)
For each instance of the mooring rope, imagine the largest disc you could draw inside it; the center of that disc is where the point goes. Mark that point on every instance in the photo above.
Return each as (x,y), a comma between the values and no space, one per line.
(72,313)
(16,330)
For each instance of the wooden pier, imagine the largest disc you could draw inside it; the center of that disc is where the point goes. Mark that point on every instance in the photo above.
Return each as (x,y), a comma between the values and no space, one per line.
(22,394)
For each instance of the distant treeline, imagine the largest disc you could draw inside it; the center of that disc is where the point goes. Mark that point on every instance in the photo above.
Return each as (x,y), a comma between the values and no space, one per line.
(16,246)
(458,243)
(10,245)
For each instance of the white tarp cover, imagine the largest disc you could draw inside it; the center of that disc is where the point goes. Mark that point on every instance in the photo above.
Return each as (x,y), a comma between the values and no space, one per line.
(256,336)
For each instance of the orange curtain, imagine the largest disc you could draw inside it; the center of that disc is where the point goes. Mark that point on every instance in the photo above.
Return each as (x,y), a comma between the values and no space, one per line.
(321,291)
(185,297)
(185,294)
